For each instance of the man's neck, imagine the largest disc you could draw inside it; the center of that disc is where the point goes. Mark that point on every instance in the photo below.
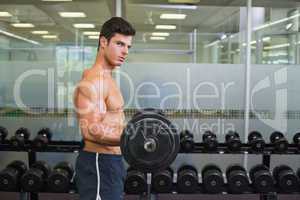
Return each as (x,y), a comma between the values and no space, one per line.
(102,65)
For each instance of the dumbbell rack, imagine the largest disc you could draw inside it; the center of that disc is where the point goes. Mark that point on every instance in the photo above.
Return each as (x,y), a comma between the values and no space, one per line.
(199,148)
(75,146)
(53,146)
(247,149)
(269,149)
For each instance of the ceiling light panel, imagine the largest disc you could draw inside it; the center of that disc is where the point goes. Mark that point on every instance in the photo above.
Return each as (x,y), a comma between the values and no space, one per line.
(72,14)
(57,0)
(5,14)
(49,36)
(23,25)
(157,38)
(166,27)
(39,32)
(172,16)
(94,37)
(160,34)
(84,25)
(91,33)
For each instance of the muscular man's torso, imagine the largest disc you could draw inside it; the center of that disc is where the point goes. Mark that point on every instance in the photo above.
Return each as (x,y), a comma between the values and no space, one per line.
(114,115)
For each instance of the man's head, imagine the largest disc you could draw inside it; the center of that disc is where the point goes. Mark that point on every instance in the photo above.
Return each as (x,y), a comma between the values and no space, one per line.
(115,40)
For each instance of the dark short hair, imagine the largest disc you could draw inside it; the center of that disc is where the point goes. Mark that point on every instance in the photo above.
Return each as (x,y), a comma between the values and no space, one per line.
(116,25)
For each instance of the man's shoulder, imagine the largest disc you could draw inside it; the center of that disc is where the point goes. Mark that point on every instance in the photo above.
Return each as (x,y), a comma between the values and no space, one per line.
(94,76)
(94,83)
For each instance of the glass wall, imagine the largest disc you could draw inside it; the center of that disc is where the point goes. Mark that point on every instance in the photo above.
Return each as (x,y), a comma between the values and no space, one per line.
(276,40)
(183,33)
(275,67)
(46,45)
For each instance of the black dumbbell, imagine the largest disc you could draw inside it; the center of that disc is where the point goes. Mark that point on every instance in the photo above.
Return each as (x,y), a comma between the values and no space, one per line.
(135,182)
(286,179)
(210,141)
(35,178)
(237,179)
(298,174)
(3,134)
(256,141)
(20,138)
(212,179)
(42,139)
(233,141)
(187,179)
(187,141)
(261,178)
(279,141)
(10,176)
(162,181)
(59,180)
(296,139)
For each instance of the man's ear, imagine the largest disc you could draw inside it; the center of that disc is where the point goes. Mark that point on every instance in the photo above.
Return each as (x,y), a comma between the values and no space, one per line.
(103,41)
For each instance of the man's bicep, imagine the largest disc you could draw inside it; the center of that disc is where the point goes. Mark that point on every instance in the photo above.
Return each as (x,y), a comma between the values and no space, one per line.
(87,89)
(96,111)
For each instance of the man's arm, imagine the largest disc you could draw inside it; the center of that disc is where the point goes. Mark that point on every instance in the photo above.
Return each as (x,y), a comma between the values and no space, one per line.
(92,113)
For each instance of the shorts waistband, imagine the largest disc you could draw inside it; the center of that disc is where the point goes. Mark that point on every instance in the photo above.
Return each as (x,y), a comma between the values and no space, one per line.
(101,155)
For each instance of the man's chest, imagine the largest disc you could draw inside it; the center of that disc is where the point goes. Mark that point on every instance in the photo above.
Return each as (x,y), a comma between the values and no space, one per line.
(114,100)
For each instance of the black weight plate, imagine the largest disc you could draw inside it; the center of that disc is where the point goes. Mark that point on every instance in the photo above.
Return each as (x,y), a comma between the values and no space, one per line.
(135,182)
(211,144)
(65,166)
(238,183)
(187,167)
(8,181)
(187,181)
(43,166)
(58,182)
(298,173)
(23,132)
(296,138)
(32,182)
(281,145)
(289,183)
(162,181)
(231,134)
(258,145)
(212,179)
(207,134)
(264,183)
(234,168)
(276,134)
(3,133)
(18,165)
(279,169)
(45,131)
(255,169)
(187,144)
(16,141)
(40,142)
(234,144)
(254,134)
(211,167)
(186,133)
(156,127)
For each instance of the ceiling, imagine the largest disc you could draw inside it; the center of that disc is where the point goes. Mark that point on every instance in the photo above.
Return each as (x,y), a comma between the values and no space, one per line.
(210,17)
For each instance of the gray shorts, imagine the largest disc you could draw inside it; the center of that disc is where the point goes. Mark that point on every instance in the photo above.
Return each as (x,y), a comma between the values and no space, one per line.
(100,176)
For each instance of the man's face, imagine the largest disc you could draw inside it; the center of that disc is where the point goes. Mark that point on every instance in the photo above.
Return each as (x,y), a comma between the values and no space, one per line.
(116,50)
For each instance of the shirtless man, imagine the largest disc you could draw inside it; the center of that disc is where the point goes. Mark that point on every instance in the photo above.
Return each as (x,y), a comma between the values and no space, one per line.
(99,103)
